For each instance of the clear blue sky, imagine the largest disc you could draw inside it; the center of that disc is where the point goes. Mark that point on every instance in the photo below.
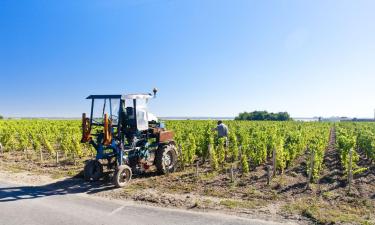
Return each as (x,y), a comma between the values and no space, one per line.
(207,57)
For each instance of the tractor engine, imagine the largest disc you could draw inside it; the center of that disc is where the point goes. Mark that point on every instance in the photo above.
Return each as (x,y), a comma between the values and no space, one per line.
(139,160)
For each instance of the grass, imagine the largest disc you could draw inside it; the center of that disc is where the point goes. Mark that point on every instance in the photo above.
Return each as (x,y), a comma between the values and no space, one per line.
(208,176)
(47,168)
(329,195)
(253,192)
(237,204)
(131,189)
(322,212)
(214,192)
(13,169)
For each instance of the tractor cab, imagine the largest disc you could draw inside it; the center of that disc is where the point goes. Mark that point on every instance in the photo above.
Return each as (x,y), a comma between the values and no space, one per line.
(118,114)
(127,137)
(135,112)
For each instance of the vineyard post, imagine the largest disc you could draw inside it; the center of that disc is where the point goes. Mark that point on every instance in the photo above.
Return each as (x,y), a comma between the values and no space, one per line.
(268,175)
(73,156)
(25,153)
(1,149)
(57,158)
(41,155)
(240,155)
(209,153)
(311,169)
(197,169)
(181,159)
(167,172)
(225,155)
(179,150)
(350,175)
(274,162)
(231,174)
(226,149)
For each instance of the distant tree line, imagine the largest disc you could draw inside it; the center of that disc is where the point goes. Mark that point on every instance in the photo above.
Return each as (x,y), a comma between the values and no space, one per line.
(1,117)
(264,115)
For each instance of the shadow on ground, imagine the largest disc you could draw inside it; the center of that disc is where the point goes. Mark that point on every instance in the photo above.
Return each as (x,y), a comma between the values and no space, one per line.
(72,185)
(67,186)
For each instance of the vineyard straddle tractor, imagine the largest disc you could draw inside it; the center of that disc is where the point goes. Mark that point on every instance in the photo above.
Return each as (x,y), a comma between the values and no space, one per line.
(127,138)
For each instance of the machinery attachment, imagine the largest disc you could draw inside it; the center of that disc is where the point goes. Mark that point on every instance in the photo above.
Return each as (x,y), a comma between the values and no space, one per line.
(163,136)
(86,129)
(107,130)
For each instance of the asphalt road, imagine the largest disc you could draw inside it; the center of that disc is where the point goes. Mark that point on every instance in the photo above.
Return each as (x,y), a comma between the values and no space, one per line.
(27,205)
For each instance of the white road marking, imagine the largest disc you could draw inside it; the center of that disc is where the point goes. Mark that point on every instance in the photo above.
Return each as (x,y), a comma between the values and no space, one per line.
(116,210)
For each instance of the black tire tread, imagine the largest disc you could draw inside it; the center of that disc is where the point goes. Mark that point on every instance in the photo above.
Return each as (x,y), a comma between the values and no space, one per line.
(159,159)
(89,168)
(116,177)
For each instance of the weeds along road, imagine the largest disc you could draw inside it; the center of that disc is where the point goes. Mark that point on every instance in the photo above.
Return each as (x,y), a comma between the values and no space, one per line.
(27,205)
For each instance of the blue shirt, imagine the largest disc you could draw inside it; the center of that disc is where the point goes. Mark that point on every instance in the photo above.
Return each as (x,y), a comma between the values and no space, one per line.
(222,130)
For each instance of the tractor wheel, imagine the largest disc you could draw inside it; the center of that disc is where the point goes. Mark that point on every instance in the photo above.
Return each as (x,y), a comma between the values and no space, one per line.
(123,175)
(166,159)
(93,170)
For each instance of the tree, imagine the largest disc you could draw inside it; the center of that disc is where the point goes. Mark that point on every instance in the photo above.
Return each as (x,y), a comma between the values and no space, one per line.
(264,115)
(1,117)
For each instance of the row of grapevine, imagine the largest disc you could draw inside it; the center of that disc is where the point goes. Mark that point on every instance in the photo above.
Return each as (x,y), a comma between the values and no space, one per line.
(353,138)
(48,136)
(253,142)
(250,143)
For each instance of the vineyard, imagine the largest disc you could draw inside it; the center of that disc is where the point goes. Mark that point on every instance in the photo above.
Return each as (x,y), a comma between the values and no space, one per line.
(250,144)
(261,163)
(43,139)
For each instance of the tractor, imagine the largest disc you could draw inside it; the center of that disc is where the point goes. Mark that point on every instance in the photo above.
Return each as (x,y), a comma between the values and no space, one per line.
(127,138)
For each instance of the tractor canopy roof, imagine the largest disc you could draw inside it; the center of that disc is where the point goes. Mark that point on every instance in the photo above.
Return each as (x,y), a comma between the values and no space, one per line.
(104,97)
(128,96)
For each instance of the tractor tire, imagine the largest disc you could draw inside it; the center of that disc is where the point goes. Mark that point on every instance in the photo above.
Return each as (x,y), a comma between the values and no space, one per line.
(166,159)
(93,170)
(123,175)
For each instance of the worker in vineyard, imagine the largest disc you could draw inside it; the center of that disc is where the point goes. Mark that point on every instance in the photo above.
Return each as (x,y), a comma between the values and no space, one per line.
(222,130)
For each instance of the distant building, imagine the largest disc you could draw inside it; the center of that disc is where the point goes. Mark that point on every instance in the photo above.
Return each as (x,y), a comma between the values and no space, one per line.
(363,120)
(305,119)
(346,119)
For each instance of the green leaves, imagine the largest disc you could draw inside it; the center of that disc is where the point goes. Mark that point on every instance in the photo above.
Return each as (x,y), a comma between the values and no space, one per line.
(366,142)
(220,150)
(257,140)
(355,137)
(43,135)
(317,145)
(245,164)
(233,146)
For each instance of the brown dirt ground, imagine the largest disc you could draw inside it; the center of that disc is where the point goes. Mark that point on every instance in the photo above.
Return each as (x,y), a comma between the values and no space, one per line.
(285,199)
